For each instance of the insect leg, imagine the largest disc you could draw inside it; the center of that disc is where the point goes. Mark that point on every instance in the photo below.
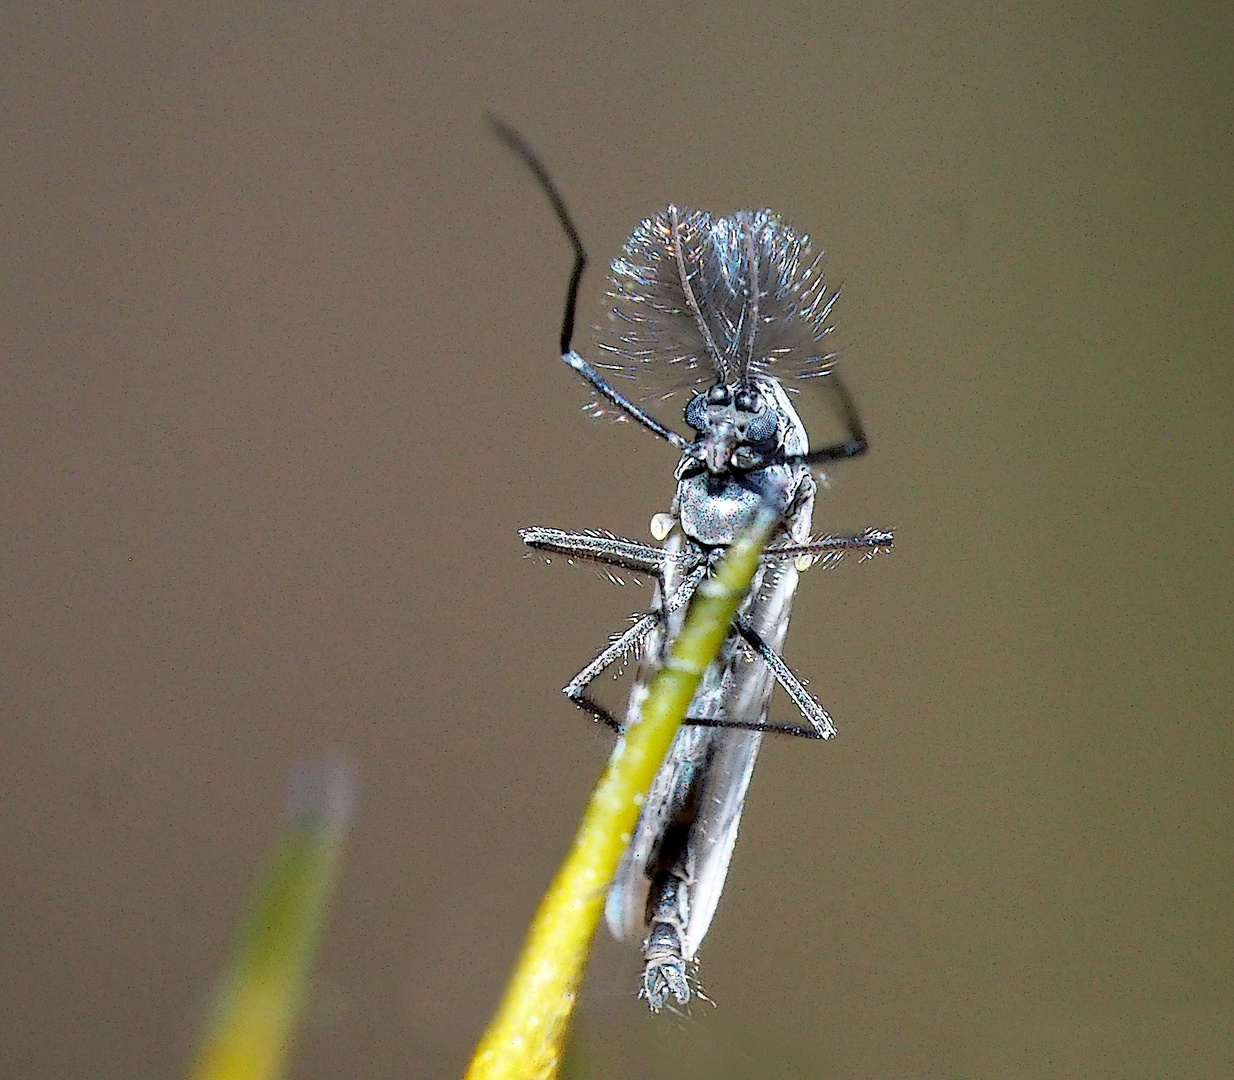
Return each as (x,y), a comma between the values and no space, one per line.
(754,725)
(819,720)
(629,555)
(516,143)
(576,688)
(831,548)
(598,712)
(854,446)
(621,402)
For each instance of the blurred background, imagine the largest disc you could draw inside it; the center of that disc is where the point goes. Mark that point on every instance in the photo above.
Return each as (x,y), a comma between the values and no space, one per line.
(279,330)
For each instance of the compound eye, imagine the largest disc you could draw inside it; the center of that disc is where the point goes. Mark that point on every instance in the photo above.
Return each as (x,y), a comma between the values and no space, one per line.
(745,401)
(719,395)
(696,412)
(763,427)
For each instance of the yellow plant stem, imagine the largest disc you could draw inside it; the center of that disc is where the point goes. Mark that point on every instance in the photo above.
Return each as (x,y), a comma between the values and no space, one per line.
(260,999)
(524,1039)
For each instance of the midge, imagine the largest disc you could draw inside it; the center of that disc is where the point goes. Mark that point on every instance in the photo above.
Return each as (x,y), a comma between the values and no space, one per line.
(728,310)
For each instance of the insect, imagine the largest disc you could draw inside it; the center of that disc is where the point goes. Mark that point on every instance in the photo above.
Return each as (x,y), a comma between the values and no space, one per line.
(731,310)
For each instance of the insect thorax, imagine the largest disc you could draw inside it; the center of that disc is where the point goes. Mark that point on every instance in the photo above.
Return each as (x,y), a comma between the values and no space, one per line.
(714,506)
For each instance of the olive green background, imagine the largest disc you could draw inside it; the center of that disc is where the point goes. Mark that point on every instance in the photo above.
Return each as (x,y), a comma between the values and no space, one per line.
(278,329)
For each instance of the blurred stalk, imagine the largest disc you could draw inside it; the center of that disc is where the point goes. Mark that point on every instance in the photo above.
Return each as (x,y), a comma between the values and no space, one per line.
(524,1039)
(263,990)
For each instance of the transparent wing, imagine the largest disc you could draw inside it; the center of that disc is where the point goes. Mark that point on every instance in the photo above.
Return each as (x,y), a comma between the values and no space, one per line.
(708,769)
(746,692)
(625,910)
(722,799)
